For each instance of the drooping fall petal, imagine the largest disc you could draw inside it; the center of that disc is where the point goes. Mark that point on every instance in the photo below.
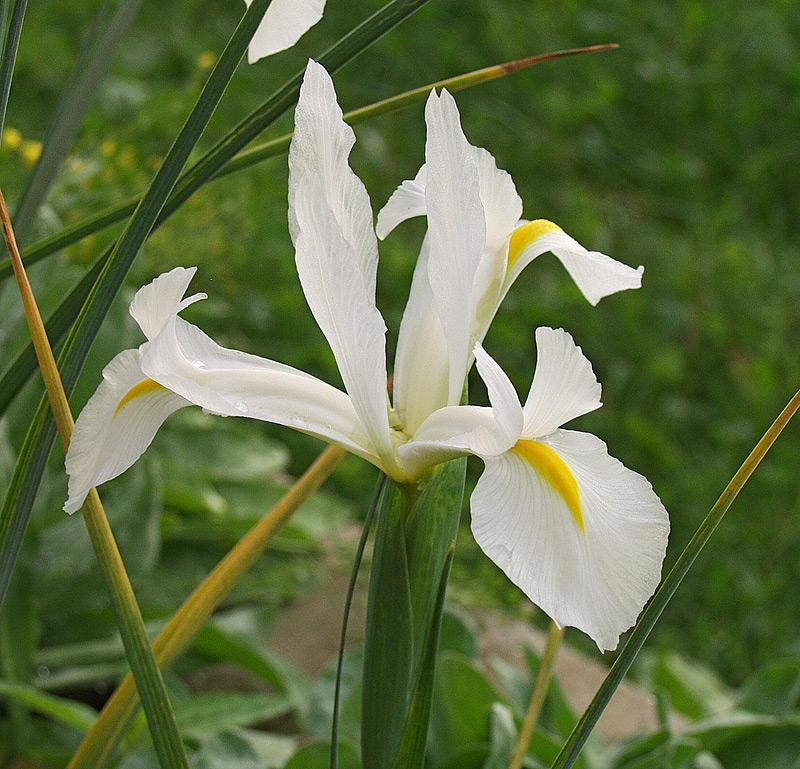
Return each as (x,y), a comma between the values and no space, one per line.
(116,426)
(596,274)
(595,573)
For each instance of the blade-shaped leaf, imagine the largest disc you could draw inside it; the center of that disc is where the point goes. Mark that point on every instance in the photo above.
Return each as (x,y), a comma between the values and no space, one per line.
(66,711)
(10,54)
(389,638)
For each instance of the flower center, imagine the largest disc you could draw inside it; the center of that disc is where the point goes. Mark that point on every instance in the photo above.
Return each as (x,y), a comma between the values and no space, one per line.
(555,471)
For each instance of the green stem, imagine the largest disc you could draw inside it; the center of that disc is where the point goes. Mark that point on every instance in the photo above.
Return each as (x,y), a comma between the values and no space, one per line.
(351,588)
(554,637)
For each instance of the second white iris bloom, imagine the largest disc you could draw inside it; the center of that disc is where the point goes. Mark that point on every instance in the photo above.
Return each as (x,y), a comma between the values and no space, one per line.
(582,535)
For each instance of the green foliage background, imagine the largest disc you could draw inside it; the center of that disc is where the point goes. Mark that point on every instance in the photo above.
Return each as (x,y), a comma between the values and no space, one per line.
(679,151)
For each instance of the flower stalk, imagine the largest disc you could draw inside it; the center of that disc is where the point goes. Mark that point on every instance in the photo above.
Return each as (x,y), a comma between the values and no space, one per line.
(158,708)
(554,637)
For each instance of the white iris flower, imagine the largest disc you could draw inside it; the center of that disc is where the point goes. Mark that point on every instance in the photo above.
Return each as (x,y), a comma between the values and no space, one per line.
(583,536)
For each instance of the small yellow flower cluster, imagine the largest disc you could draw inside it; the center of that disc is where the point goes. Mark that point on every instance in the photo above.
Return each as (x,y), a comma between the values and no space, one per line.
(28,149)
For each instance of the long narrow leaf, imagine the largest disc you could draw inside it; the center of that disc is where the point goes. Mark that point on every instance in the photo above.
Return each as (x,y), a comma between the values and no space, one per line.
(10,56)
(66,711)
(76,97)
(569,753)
(351,589)
(414,539)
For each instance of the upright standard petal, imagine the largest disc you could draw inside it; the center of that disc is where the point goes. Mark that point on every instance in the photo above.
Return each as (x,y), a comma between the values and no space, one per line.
(594,573)
(421,378)
(456,230)
(330,219)
(596,274)
(564,385)
(161,299)
(116,426)
(284,23)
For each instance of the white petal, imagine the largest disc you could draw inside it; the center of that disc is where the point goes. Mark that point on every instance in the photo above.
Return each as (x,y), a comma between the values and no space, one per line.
(232,383)
(502,206)
(502,395)
(456,229)
(107,438)
(421,382)
(284,23)
(451,432)
(564,385)
(406,202)
(596,274)
(155,303)
(597,580)
(336,251)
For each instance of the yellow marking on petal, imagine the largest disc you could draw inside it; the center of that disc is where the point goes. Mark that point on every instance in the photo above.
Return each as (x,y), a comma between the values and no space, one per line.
(143,388)
(555,471)
(524,235)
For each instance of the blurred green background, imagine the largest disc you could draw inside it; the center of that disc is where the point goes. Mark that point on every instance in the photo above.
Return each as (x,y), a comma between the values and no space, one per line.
(679,151)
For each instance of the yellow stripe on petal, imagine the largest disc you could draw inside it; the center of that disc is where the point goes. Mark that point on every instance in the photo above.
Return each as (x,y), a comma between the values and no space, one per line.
(525,234)
(143,388)
(555,471)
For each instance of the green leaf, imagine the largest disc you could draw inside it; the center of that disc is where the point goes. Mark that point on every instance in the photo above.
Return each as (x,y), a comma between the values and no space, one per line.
(272,750)
(318,717)
(10,45)
(773,690)
(227,751)
(195,445)
(693,689)
(317,755)
(462,707)
(389,638)
(212,712)
(69,712)
(218,644)
(503,736)
(458,633)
